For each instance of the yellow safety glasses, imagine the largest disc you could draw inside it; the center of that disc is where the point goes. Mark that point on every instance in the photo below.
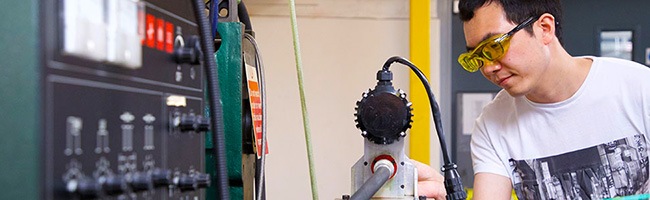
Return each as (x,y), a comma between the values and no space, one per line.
(491,49)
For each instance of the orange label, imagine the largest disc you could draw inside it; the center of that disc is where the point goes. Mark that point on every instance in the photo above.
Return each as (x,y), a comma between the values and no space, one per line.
(256,108)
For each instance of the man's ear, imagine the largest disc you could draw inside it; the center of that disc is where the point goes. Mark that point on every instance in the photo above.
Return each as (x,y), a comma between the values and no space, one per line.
(546,24)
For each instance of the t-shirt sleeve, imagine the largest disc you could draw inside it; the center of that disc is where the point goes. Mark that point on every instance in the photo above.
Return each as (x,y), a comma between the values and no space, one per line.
(484,155)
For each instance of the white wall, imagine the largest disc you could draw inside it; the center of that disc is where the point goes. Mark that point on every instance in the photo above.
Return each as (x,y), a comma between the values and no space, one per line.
(344,43)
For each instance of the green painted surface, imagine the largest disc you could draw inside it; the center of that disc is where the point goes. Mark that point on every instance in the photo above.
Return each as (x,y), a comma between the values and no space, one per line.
(19,100)
(229,60)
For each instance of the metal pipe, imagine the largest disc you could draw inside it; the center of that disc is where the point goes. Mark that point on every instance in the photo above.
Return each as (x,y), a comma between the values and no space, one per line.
(373,184)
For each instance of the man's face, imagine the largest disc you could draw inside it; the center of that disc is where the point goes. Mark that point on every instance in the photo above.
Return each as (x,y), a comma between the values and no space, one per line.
(520,69)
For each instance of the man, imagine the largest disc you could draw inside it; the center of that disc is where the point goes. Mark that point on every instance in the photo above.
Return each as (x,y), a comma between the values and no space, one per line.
(563,127)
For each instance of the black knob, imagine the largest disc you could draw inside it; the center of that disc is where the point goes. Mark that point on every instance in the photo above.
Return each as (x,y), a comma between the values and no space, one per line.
(383,114)
(203,124)
(187,183)
(141,182)
(190,53)
(115,185)
(188,123)
(161,177)
(202,180)
(89,188)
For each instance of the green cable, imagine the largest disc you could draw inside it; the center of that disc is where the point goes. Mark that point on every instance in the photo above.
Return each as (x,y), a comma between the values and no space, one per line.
(305,120)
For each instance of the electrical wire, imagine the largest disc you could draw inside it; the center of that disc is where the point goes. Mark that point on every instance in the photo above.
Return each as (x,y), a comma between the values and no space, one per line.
(260,73)
(303,103)
(214,17)
(214,99)
(453,183)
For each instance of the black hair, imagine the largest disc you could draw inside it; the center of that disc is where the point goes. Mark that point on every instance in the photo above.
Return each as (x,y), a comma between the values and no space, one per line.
(517,11)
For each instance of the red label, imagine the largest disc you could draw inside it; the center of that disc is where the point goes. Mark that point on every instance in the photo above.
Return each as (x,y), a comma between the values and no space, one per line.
(151,31)
(169,37)
(160,34)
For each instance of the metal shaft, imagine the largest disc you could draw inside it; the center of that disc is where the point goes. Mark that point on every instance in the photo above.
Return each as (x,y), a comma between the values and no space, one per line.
(374,183)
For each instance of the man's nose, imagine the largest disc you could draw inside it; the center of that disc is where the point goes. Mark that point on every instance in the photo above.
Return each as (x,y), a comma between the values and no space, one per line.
(491,68)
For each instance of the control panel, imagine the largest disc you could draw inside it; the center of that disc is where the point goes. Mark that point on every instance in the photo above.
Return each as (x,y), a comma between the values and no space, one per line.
(123,100)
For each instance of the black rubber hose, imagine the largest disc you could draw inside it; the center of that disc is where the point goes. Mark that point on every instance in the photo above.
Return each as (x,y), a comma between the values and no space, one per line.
(453,182)
(244,18)
(432,100)
(214,99)
(372,185)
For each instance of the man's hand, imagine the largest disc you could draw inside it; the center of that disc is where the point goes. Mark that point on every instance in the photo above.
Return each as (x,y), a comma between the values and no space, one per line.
(430,182)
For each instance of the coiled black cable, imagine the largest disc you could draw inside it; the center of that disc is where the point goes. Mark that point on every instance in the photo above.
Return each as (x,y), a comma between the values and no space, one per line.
(214,99)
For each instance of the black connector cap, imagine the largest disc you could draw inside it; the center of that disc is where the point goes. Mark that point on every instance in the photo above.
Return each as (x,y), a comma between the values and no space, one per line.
(384,75)
(453,183)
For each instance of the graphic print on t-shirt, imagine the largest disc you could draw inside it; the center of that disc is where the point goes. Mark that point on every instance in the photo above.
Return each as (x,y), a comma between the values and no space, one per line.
(613,169)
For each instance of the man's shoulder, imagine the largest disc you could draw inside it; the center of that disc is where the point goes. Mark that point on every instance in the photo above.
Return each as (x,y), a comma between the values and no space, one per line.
(617,65)
(613,74)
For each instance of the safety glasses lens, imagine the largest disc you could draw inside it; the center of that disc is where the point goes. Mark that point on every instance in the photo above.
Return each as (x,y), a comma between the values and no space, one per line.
(485,53)
(471,63)
(492,51)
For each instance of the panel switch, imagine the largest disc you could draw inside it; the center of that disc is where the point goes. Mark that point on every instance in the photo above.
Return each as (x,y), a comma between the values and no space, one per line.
(187,183)
(161,177)
(141,182)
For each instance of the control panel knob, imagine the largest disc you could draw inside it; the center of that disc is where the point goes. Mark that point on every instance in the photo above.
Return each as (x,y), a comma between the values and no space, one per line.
(141,182)
(187,183)
(190,53)
(188,123)
(161,177)
(203,124)
(115,185)
(88,188)
(202,180)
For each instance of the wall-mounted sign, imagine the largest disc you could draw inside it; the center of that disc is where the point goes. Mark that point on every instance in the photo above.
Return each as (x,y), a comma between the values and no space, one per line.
(471,105)
(617,44)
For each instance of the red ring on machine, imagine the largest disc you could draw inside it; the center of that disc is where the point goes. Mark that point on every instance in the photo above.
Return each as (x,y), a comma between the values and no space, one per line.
(387,157)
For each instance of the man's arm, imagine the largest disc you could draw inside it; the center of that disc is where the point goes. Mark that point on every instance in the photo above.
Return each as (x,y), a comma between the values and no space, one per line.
(491,186)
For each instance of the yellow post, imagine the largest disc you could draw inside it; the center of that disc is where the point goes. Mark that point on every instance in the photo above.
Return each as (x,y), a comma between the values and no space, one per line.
(419,48)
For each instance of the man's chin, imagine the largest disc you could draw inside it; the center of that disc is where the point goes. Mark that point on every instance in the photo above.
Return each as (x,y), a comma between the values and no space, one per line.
(514,93)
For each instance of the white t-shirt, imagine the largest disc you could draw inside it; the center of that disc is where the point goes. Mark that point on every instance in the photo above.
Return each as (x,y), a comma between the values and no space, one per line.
(592,145)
